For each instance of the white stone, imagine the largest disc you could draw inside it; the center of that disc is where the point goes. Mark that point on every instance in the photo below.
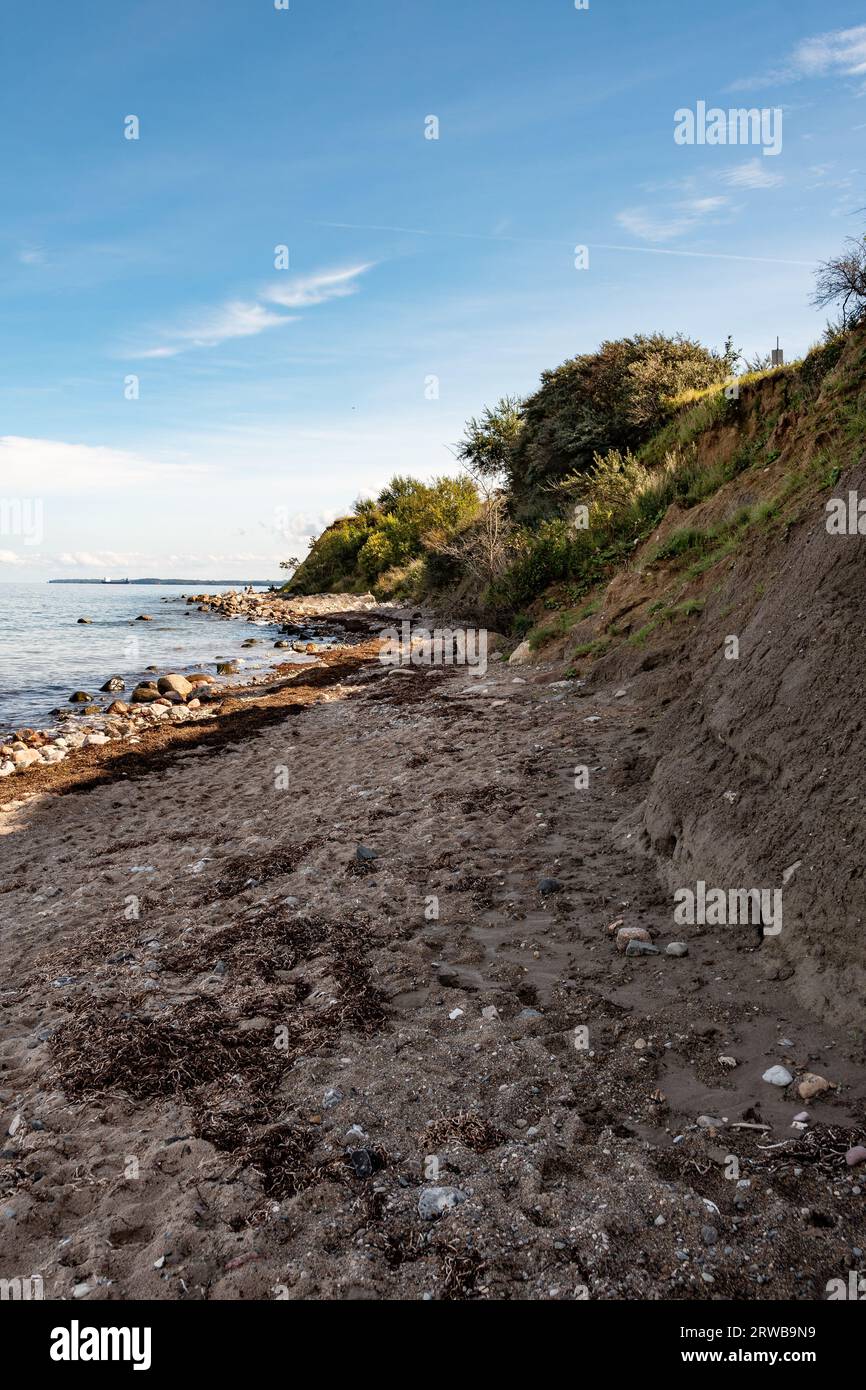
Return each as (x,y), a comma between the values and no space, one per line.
(778,1076)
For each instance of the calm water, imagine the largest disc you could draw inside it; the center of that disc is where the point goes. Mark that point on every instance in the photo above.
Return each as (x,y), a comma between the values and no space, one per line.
(45,655)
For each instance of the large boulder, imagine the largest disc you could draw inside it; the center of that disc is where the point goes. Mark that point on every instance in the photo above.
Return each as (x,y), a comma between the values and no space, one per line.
(114,684)
(143,694)
(25,757)
(179,685)
(521,655)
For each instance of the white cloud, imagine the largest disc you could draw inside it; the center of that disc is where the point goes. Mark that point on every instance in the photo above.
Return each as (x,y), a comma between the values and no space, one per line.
(246,318)
(236,319)
(9,557)
(680,218)
(303,291)
(699,207)
(36,467)
(755,174)
(840,51)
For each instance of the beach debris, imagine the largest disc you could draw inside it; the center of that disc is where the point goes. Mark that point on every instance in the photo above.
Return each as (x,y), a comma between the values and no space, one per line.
(727,1061)
(627,934)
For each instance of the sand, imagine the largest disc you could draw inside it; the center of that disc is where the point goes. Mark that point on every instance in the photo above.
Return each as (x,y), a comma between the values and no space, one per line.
(235,1054)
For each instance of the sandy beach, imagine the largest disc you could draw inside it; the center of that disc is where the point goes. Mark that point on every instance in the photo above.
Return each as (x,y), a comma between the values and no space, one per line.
(323,999)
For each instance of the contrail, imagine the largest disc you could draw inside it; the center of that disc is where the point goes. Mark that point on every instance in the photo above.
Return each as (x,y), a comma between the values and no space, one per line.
(540,241)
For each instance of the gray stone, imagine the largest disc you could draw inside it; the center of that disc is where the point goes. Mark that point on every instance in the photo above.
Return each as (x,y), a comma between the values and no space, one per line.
(676,948)
(549,885)
(778,1076)
(435,1201)
(641,948)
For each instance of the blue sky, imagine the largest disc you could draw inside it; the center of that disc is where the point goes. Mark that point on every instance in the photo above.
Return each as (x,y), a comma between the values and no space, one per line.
(268,399)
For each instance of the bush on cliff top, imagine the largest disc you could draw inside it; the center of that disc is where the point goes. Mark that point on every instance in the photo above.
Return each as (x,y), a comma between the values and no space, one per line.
(385,534)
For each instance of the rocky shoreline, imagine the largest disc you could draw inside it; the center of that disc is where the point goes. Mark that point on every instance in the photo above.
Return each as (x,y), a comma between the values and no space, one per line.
(308,627)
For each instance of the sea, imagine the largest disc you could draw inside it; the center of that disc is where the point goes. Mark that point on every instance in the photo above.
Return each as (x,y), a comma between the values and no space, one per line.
(46,655)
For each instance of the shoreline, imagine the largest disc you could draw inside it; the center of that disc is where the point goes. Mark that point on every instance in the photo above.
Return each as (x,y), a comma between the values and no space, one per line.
(27,751)
(161,732)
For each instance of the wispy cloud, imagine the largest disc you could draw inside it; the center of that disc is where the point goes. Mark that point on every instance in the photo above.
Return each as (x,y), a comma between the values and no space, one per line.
(681,217)
(9,557)
(565,244)
(247,318)
(236,319)
(303,291)
(755,174)
(838,52)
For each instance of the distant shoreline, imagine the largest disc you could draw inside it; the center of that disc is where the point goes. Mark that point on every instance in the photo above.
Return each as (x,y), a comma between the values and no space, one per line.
(241,583)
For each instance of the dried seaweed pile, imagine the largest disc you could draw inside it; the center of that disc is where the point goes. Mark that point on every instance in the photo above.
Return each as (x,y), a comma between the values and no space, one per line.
(224,1054)
(472,1130)
(255,870)
(823,1147)
(167,1054)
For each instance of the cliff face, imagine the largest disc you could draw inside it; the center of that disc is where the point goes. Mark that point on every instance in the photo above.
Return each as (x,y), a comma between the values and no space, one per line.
(761,742)
(763,759)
